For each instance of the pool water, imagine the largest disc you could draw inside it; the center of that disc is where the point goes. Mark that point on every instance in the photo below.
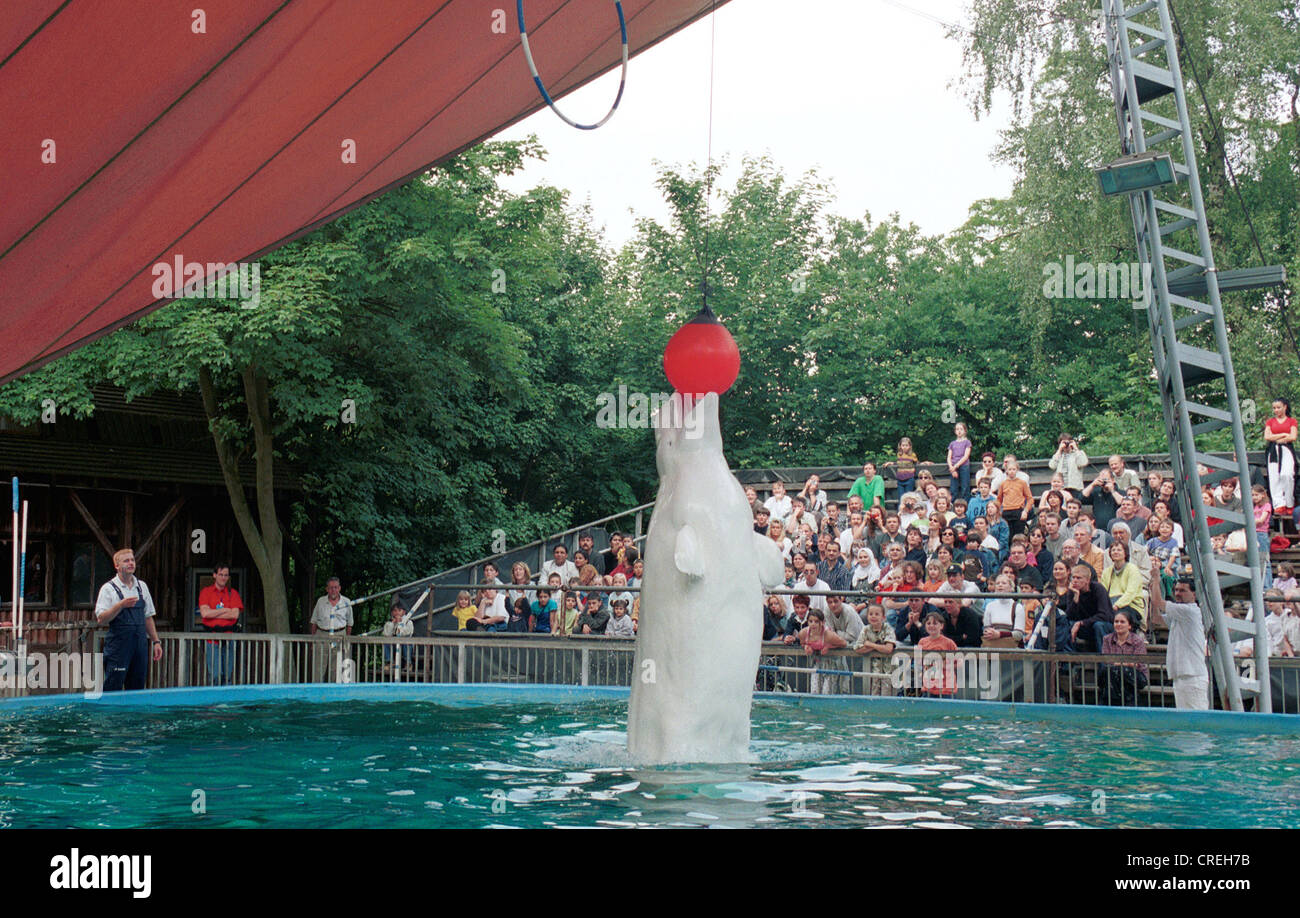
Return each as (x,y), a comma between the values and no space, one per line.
(421,764)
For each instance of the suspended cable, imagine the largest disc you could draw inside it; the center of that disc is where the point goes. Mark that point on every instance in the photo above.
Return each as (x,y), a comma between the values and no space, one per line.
(708,168)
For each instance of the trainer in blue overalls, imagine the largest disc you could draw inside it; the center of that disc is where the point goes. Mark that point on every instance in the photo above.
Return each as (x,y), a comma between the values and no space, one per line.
(127,608)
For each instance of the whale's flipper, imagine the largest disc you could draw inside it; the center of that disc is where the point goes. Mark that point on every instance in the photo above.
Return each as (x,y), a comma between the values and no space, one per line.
(687,555)
(768,561)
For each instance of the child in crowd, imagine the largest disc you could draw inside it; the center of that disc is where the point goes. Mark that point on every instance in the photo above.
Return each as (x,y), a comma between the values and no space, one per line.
(958,520)
(620,625)
(626,562)
(543,607)
(1263,516)
(1285,579)
(594,619)
(1164,545)
(563,621)
(620,581)
(519,615)
(816,639)
(904,466)
(959,453)
(464,610)
(934,577)
(937,681)
(1032,606)
(400,625)
(876,638)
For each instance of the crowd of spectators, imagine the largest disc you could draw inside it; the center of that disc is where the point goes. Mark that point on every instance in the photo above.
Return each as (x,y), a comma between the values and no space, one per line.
(1089,539)
(1085,546)
(567,597)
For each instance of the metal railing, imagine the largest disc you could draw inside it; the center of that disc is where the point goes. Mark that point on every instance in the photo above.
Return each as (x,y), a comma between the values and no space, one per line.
(534,554)
(836,482)
(996,674)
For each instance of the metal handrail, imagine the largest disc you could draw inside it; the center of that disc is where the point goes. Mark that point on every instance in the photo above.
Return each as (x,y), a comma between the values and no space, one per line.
(470,565)
(512,657)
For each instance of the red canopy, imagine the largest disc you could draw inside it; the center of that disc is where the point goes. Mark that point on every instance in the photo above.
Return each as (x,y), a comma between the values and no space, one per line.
(221,145)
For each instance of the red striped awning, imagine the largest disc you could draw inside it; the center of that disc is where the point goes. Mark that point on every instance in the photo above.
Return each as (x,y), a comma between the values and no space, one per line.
(130,138)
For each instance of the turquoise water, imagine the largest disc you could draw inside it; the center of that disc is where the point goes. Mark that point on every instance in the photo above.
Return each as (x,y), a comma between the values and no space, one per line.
(420,764)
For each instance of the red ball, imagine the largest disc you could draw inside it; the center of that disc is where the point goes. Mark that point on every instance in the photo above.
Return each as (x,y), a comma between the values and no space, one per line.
(702,357)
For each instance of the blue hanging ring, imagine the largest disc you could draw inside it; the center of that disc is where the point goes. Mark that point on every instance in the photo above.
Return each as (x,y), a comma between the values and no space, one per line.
(546,96)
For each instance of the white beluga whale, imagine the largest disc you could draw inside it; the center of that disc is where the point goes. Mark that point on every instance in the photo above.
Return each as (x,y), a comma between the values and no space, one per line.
(700,629)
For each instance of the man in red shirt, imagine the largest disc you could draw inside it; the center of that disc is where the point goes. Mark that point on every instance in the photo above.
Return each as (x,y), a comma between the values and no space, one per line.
(220,607)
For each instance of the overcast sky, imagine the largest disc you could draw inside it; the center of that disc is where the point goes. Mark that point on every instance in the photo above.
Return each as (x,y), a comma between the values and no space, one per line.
(864,91)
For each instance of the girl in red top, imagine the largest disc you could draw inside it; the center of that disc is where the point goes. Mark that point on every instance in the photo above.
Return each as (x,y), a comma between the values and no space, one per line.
(1280,433)
(937,681)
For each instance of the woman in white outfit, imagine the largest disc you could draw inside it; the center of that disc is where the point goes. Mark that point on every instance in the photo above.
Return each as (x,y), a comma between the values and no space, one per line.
(1280,433)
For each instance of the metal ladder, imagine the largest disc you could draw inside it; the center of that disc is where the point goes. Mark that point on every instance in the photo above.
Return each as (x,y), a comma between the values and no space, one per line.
(1193,380)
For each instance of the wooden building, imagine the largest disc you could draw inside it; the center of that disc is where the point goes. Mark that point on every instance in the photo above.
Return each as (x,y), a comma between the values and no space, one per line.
(140,474)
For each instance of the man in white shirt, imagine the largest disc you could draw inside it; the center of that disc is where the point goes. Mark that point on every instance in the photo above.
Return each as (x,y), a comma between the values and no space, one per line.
(124,604)
(560,565)
(957,583)
(778,504)
(1185,656)
(811,581)
(1291,620)
(841,619)
(1123,477)
(1276,623)
(332,615)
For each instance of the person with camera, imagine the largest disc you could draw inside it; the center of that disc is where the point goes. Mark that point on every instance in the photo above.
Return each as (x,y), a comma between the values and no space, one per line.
(1105,498)
(1070,461)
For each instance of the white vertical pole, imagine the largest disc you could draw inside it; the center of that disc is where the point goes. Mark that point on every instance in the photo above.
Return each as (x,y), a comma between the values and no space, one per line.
(13,606)
(22,589)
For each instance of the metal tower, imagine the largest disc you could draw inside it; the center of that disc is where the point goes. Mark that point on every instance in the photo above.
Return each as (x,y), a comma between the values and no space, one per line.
(1183,299)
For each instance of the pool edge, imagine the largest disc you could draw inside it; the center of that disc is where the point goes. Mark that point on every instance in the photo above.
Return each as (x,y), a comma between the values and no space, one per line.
(497,693)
